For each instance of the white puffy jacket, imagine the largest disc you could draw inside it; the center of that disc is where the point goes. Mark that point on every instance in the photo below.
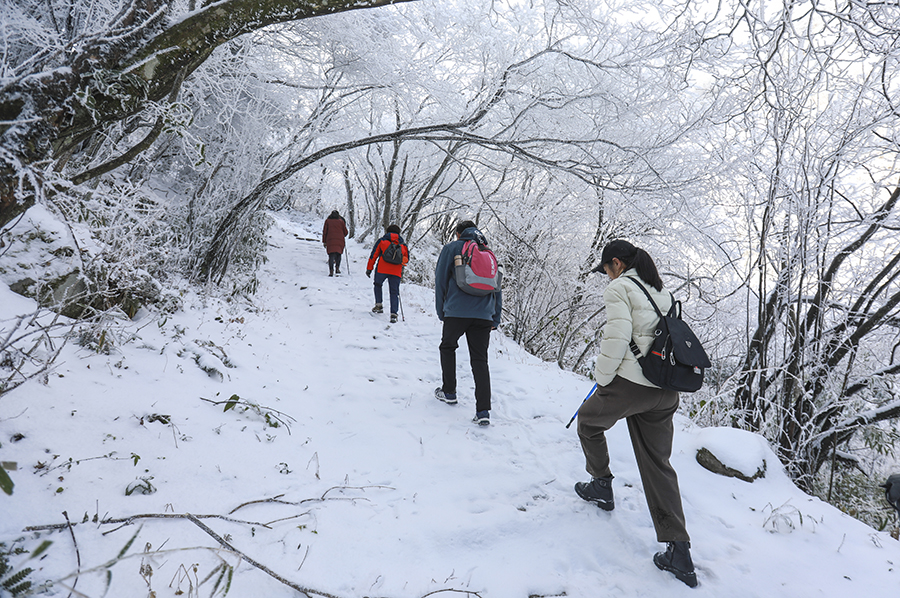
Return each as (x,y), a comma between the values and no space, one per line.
(628,315)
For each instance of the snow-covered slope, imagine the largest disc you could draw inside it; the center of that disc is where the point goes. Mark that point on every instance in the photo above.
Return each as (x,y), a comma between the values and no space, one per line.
(338,471)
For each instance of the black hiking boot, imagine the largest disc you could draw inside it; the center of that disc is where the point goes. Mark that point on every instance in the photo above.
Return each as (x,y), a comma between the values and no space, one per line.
(677,559)
(598,491)
(393,318)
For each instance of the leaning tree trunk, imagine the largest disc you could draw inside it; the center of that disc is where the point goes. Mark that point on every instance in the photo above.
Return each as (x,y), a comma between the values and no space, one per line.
(805,396)
(351,208)
(114,74)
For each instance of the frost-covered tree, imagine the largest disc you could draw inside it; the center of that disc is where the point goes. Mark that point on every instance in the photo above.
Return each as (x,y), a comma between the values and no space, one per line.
(750,148)
(812,197)
(75,68)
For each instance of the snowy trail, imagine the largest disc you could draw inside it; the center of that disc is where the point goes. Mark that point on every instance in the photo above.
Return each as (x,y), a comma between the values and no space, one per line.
(391,492)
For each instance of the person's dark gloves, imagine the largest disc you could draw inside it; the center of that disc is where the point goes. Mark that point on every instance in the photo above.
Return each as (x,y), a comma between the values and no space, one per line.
(369,273)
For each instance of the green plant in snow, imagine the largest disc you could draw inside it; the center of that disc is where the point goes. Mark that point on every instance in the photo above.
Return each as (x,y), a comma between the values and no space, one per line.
(6,483)
(272,417)
(221,575)
(217,581)
(140,485)
(223,580)
(786,518)
(14,581)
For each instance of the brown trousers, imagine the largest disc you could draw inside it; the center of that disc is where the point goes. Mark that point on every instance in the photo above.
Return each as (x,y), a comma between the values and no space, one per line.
(649,412)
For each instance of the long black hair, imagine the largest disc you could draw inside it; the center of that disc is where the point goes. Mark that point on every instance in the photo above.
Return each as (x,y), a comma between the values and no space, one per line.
(632,257)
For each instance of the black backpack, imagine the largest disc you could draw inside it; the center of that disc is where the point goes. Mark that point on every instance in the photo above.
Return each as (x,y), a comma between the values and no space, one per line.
(393,253)
(676,359)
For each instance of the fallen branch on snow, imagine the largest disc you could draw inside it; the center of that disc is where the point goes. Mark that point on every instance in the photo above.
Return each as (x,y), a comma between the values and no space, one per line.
(277,498)
(132,518)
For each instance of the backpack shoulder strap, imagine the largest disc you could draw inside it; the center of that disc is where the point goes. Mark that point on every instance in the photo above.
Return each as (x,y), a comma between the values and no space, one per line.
(633,345)
(646,292)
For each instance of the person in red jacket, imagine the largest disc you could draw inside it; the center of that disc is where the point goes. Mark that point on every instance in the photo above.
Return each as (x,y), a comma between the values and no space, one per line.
(388,268)
(333,234)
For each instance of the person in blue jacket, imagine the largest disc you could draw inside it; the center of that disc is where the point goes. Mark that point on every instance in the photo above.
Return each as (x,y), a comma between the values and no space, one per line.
(462,313)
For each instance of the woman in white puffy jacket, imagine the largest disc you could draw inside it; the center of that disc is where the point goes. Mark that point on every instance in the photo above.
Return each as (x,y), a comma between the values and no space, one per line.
(624,392)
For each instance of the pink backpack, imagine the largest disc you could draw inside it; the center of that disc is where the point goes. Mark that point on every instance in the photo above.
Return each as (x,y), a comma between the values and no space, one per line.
(476,269)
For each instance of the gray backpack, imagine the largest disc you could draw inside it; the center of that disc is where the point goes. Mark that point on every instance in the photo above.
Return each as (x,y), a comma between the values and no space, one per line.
(393,254)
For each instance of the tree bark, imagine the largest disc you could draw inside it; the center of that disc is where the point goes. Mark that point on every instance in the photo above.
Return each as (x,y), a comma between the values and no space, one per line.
(44,115)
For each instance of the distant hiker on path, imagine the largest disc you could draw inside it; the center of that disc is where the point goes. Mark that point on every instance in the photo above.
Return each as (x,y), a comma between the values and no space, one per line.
(333,234)
(624,392)
(391,253)
(465,313)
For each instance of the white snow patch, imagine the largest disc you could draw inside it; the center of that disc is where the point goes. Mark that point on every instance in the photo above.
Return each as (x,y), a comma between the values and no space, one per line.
(740,450)
(340,472)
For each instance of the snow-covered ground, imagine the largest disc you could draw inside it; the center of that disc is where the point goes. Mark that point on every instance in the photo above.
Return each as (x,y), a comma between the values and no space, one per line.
(339,472)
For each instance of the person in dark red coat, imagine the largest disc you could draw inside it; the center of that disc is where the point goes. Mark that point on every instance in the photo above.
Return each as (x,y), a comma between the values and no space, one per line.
(333,234)
(385,270)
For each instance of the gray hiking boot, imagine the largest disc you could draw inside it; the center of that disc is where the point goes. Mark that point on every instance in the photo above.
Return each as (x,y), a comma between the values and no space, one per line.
(378,309)
(447,397)
(393,318)
(677,559)
(598,491)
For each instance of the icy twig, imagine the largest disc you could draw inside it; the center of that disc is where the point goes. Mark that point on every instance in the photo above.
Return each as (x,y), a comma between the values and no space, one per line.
(277,499)
(260,566)
(77,552)
(132,518)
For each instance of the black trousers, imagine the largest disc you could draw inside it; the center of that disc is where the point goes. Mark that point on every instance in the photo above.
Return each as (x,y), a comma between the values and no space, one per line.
(334,259)
(478,337)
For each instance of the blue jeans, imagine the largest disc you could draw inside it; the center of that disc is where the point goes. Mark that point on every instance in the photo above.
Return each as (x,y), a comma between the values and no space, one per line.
(393,286)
